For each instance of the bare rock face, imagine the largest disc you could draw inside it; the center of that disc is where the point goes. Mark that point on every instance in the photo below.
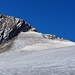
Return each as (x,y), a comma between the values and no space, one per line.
(10,27)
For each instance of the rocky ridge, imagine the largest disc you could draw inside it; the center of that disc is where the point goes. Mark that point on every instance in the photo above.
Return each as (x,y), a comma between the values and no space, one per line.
(11,27)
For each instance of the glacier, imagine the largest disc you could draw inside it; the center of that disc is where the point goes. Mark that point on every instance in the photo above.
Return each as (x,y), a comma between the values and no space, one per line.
(34,53)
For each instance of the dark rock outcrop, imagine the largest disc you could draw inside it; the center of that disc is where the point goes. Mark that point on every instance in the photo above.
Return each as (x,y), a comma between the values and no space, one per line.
(53,37)
(11,27)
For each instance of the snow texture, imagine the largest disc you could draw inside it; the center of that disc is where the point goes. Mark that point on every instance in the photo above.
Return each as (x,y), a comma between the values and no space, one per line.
(31,54)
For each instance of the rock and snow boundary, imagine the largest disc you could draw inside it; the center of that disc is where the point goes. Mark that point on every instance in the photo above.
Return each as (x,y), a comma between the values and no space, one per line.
(17,33)
(24,51)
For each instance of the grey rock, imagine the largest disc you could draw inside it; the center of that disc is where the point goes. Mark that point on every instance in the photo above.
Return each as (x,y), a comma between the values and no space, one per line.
(53,37)
(11,27)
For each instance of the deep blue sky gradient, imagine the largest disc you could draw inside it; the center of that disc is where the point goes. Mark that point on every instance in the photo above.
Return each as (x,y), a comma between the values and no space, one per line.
(47,16)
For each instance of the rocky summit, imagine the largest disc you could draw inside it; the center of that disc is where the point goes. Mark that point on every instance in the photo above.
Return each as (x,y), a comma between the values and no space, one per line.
(11,26)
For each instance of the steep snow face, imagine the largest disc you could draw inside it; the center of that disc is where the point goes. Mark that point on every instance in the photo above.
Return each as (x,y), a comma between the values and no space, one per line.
(34,40)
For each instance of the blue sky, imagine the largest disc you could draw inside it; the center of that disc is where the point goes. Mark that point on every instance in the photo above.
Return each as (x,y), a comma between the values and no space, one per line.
(47,16)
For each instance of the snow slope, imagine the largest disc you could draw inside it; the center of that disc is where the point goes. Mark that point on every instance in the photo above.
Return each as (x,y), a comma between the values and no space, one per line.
(33,40)
(32,54)
(45,62)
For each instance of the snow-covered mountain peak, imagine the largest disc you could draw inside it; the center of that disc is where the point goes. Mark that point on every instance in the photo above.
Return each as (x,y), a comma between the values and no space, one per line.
(24,51)
(16,33)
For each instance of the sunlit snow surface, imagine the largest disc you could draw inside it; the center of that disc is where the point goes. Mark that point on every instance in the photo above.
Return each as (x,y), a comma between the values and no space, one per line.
(31,54)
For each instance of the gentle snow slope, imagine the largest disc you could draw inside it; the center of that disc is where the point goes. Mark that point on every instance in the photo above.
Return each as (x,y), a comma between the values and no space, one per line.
(32,54)
(45,62)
